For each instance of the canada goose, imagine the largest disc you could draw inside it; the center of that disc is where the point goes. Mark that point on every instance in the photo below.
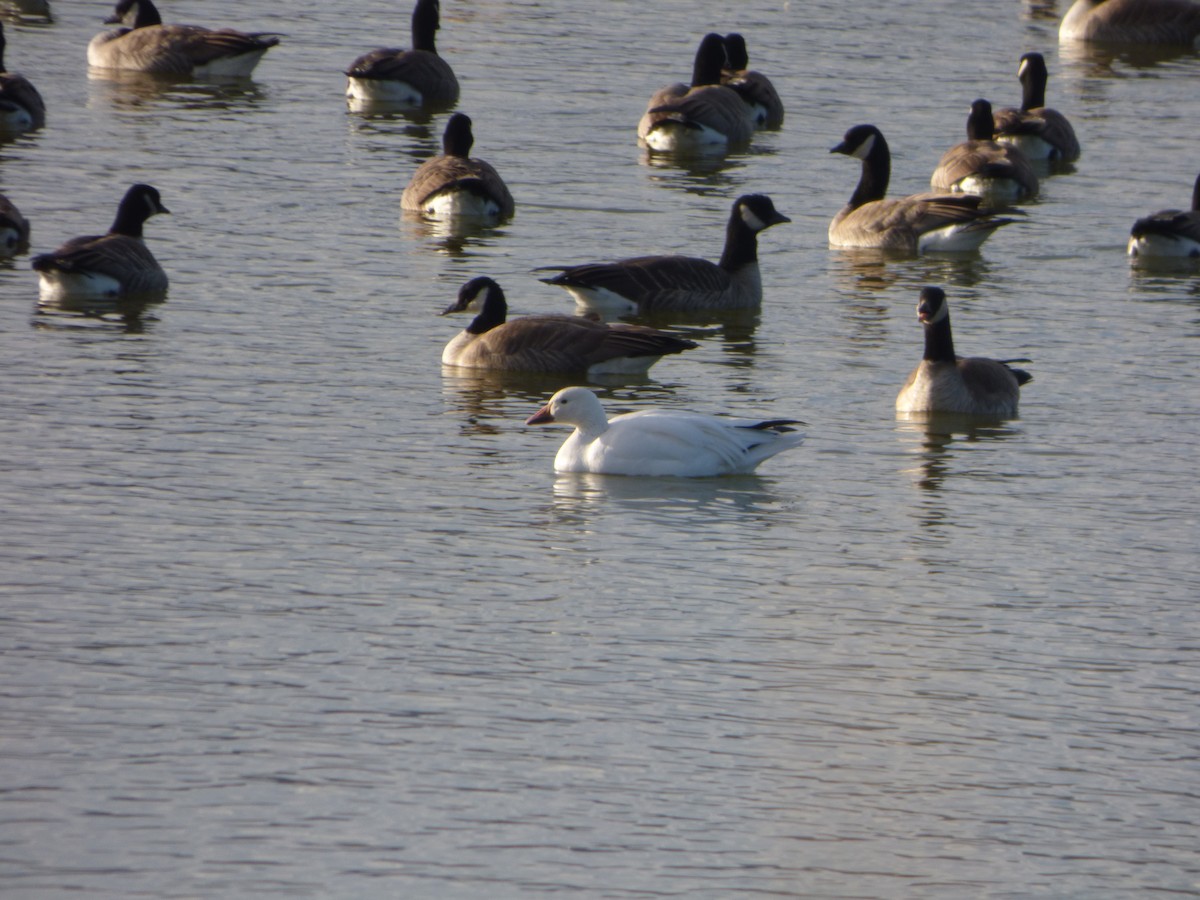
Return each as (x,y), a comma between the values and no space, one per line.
(1131,22)
(1169,232)
(21,106)
(1041,133)
(945,383)
(703,116)
(754,88)
(549,344)
(999,173)
(456,185)
(659,442)
(145,44)
(107,266)
(14,229)
(917,223)
(652,284)
(416,77)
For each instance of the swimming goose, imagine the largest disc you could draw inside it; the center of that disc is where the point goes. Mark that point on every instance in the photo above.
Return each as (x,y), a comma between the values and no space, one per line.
(1041,133)
(145,44)
(416,77)
(21,106)
(1131,22)
(945,383)
(917,223)
(659,442)
(14,229)
(754,87)
(704,116)
(107,266)
(455,185)
(548,344)
(651,284)
(1000,173)
(1169,232)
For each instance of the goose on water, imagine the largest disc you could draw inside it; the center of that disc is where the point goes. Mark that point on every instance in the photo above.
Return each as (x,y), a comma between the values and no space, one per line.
(1000,173)
(755,88)
(1168,232)
(660,442)
(1132,22)
(416,77)
(1040,132)
(14,229)
(144,44)
(945,383)
(704,116)
(21,106)
(455,184)
(647,285)
(107,266)
(914,224)
(549,344)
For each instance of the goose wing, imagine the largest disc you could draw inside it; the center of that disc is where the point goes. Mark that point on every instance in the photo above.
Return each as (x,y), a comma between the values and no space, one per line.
(649,281)
(711,106)
(117,256)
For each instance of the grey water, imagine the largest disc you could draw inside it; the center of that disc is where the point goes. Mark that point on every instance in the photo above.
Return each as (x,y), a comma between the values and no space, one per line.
(288,610)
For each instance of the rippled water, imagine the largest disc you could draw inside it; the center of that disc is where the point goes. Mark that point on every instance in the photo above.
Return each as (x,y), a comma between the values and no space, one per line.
(289,610)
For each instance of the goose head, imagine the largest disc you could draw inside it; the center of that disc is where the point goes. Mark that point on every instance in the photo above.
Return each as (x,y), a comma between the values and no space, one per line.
(757,212)
(709,61)
(140,202)
(457,139)
(737,57)
(134,14)
(981,125)
(861,142)
(931,306)
(572,406)
(477,295)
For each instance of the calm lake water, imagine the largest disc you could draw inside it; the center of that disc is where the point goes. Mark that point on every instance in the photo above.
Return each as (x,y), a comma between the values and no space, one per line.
(288,610)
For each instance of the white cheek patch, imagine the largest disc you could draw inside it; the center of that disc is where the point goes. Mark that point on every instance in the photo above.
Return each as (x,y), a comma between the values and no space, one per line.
(1023,68)
(753,222)
(863,150)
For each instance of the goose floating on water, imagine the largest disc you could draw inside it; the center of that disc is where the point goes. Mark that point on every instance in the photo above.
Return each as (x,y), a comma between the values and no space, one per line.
(1131,22)
(945,383)
(145,44)
(416,77)
(549,344)
(647,285)
(107,266)
(1000,173)
(455,184)
(659,442)
(1168,232)
(755,88)
(914,224)
(1040,132)
(21,106)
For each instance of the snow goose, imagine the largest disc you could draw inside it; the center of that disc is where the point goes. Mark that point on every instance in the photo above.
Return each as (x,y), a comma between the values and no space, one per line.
(1000,173)
(753,87)
(416,77)
(945,383)
(659,441)
(145,44)
(704,116)
(1168,232)
(14,229)
(21,106)
(107,266)
(1131,22)
(549,344)
(651,284)
(1040,132)
(455,185)
(915,224)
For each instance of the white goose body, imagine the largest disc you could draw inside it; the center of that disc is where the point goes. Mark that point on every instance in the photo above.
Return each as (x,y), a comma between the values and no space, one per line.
(673,443)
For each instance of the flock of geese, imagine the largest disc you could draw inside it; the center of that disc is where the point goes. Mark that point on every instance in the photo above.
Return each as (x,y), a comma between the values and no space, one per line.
(973,192)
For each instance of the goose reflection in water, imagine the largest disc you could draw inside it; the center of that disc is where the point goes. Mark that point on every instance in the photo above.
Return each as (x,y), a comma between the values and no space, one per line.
(127,315)
(938,433)
(746,501)
(134,90)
